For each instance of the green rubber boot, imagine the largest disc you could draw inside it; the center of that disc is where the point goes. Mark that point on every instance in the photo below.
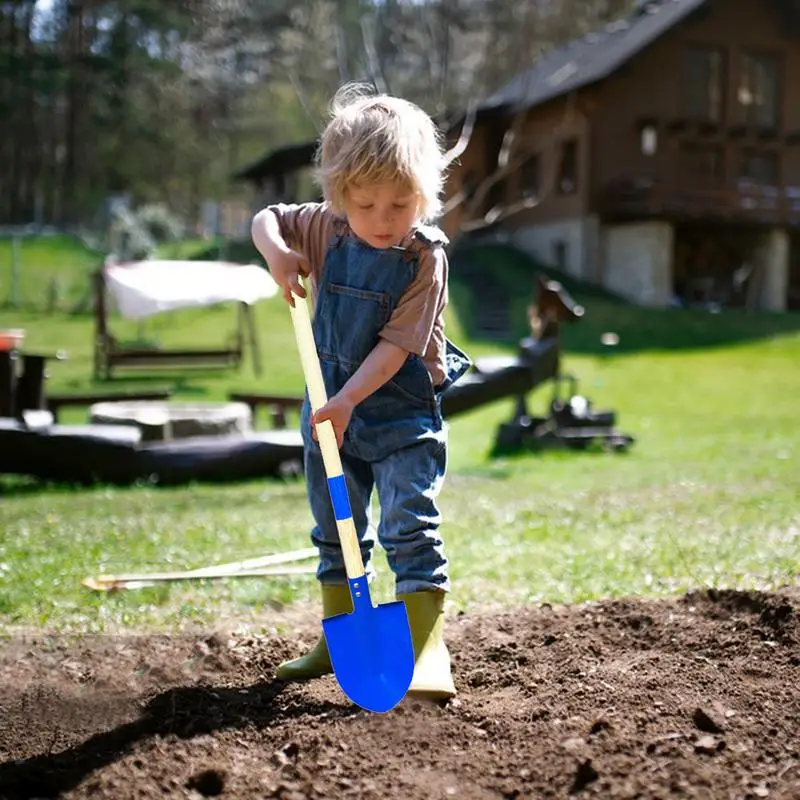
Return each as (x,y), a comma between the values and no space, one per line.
(432,677)
(316,662)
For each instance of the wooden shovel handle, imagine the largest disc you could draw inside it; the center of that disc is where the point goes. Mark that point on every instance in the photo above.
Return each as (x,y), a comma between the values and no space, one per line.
(301,321)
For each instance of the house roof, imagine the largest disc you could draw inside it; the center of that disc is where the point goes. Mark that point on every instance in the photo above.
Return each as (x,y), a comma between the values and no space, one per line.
(592,57)
(284,159)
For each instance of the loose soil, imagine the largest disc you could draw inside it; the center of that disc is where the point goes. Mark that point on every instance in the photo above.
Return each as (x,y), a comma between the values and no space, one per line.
(693,697)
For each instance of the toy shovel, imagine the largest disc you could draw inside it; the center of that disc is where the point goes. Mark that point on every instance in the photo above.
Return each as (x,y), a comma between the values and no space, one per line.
(370,648)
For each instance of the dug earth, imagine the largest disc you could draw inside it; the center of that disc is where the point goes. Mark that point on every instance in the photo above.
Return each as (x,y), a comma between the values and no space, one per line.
(691,697)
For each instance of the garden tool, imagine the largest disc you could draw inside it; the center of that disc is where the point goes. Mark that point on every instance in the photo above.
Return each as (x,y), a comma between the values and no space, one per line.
(371,650)
(273,564)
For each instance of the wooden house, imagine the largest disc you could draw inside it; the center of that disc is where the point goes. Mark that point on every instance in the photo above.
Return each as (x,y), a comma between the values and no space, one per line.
(275,177)
(659,157)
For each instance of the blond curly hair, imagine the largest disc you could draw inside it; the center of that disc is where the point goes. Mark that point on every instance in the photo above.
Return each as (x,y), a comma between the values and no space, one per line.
(376,138)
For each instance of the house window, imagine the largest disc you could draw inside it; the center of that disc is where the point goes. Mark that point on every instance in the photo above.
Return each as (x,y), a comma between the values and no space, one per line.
(703,84)
(649,142)
(568,167)
(759,90)
(760,167)
(702,164)
(530,176)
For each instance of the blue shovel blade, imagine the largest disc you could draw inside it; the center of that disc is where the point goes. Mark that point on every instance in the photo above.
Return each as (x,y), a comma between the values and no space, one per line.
(371,652)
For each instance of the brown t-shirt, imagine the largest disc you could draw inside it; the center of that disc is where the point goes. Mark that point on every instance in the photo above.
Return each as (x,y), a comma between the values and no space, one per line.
(417,322)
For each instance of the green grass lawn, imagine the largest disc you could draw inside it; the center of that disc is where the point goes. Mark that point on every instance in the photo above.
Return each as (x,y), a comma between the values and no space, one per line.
(47,265)
(53,271)
(709,494)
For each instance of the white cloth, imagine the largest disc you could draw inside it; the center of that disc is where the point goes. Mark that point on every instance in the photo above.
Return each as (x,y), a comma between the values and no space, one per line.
(143,288)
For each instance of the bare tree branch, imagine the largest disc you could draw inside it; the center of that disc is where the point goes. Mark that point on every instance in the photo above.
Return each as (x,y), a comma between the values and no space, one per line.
(457,150)
(499,214)
(444,58)
(341,52)
(503,169)
(303,98)
(512,154)
(373,63)
(474,200)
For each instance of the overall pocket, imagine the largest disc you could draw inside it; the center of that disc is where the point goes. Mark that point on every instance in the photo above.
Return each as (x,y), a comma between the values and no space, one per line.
(412,383)
(346,329)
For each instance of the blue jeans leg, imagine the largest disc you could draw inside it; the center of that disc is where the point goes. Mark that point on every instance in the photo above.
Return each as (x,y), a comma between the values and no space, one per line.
(408,483)
(324,535)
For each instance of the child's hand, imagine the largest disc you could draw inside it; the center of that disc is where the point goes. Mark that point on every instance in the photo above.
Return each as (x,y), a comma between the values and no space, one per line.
(338,410)
(286,267)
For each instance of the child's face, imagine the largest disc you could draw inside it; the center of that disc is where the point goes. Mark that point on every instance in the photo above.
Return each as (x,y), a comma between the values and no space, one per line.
(381,214)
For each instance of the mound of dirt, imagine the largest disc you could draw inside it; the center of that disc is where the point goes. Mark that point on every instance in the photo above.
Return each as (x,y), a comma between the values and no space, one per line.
(695,697)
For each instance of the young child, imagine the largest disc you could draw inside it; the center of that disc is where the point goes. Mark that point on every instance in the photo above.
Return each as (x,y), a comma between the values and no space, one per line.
(379,281)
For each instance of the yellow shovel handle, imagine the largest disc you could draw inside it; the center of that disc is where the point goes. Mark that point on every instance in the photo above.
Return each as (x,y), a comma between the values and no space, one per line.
(301,321)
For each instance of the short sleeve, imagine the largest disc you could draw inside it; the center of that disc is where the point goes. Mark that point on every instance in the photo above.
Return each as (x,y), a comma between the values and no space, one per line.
(307,228)
(413,319)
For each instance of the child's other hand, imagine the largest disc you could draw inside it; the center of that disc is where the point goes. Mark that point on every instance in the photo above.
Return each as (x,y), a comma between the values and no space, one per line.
(338,411)
(286,268)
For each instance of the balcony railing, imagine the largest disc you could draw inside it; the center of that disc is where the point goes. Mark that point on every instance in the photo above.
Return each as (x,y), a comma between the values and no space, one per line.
(744,202)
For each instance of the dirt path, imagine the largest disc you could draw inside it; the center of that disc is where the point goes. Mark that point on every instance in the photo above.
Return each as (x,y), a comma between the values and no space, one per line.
(697,697)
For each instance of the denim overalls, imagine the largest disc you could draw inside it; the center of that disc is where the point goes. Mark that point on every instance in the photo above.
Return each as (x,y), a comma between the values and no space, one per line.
(396,441)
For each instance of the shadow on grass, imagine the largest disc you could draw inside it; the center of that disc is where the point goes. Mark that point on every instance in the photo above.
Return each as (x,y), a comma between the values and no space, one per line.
(186,712)
(639,329)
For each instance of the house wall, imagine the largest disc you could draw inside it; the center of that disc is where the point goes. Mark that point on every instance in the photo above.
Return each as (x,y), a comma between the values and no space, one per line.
(638,259)
(650,85)
(542,132)
(606,120)
(558,230)
(471,162)
(571,244)
(557,217)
